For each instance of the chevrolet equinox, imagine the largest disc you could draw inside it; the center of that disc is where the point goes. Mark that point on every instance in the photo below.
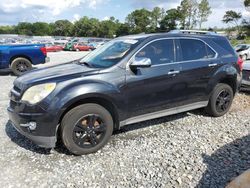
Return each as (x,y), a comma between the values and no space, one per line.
(128,80)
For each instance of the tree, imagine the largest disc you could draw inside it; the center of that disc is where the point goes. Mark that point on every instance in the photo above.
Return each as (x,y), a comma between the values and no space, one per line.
(86,27)
(24,28)
(169,22)
(108,28)
(247,3)
(188,10)
(139,20)
(123,29)
(232,17)
(41,29)
(204,10)
(62,28)
(157,15)
(7,29)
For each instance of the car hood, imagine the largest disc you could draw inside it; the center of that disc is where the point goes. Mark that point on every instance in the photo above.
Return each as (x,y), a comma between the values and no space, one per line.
(53,74)
(246,66)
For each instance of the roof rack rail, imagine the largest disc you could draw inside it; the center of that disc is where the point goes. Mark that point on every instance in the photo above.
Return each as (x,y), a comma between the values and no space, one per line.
(199,32)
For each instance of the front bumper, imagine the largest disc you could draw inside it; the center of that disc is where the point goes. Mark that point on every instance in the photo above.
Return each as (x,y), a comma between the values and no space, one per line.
(47,59)
(18,119)
(245,85)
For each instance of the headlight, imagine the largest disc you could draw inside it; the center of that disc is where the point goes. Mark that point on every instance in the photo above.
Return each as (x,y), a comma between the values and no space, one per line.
(37,93)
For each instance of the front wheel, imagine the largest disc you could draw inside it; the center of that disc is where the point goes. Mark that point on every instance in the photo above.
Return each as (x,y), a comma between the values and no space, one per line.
(220,100)
(86,128)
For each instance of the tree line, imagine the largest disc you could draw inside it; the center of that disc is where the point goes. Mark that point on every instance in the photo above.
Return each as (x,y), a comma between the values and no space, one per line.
(189,14)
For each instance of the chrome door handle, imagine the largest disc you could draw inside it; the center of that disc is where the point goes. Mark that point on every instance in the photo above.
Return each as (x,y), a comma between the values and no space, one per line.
(213,65)
(173,72)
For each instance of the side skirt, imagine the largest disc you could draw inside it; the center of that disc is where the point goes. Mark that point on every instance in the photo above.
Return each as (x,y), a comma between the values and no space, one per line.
(163,113)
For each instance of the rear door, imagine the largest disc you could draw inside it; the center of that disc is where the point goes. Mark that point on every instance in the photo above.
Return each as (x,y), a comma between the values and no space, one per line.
(198,63)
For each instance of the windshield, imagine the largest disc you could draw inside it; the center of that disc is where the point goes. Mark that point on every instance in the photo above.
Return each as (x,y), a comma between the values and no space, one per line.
(241,47)
(109,54)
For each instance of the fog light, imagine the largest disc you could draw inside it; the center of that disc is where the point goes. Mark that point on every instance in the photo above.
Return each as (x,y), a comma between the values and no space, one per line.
(30,125)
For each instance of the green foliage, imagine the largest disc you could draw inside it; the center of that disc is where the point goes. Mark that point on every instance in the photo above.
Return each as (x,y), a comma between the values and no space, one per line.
(232,17)
(7,30)
(169,22)
(204,10)
(247,3)
(188,10)
(139,20)
(62,28)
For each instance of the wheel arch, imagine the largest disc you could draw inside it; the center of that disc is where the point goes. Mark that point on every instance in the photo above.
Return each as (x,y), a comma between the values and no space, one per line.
(231,81)
(102,101)
(19,56)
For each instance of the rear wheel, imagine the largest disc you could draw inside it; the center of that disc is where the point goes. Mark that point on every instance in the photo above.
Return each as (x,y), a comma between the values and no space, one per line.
(20,65)
(86,128)
(220,101)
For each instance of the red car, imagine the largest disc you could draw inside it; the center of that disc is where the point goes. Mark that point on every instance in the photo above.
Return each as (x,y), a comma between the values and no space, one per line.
(54,48)
(83,47)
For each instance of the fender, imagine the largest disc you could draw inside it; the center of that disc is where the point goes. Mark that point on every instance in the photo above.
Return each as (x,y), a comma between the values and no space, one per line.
(78,92)
(226,72)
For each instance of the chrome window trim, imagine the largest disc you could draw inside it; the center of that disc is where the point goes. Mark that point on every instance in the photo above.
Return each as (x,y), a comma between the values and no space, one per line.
(177,62)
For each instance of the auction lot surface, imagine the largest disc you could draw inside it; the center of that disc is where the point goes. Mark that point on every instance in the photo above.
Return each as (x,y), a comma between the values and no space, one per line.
(184,150)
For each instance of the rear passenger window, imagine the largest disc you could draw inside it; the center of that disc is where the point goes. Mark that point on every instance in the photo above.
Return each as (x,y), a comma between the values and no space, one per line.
(193,49)
(160,52)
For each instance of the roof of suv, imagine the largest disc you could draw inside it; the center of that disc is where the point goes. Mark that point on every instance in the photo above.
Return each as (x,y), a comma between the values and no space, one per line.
(161,35)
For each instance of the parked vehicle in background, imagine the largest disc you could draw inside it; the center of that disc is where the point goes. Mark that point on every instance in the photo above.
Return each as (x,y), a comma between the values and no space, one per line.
(243,50)
(69,46)
(82,47)
(20,58)
(128,80)
(53,48)
(246,77)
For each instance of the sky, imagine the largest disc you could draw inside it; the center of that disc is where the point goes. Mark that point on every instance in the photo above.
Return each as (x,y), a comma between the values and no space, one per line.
(14,11)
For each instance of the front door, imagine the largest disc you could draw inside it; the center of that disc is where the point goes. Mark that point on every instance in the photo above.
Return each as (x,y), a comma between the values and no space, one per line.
(155,88)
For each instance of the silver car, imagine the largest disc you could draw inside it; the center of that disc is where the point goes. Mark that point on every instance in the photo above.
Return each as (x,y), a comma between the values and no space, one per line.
(243,50)
(246,77)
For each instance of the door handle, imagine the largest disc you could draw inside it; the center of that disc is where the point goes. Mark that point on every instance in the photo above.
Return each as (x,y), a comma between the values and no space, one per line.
(213,65)
(173,72)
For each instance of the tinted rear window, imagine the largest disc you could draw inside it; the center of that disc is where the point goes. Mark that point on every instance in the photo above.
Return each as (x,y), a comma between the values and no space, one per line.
(193,49)
(224,44)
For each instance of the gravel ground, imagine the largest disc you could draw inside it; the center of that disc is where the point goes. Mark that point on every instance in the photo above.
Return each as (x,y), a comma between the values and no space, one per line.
(184,150)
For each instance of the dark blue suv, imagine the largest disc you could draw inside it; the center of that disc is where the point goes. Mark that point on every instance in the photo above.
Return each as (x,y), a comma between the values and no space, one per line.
(128,80)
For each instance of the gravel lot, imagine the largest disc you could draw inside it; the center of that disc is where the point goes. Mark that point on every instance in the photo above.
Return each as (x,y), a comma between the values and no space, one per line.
(184,150)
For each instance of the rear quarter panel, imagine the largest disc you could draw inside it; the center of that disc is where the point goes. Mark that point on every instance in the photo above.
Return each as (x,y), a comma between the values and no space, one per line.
(31,52)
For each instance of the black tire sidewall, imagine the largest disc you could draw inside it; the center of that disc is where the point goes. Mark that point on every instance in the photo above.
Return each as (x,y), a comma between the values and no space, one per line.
(15,62)
(211,109)
(73,116)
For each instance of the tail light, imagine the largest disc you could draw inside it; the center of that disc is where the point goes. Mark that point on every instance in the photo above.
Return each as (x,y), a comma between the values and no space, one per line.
(44,51)
(240,64)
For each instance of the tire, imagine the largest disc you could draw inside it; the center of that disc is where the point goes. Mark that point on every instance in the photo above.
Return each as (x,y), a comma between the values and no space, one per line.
(220,100)
(77,50)
(20,65)
(78,137)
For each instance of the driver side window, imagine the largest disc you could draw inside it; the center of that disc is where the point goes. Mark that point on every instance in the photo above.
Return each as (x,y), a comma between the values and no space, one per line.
(159,52)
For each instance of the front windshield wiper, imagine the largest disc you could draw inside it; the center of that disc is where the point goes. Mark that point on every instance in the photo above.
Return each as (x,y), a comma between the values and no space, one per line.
(85,63)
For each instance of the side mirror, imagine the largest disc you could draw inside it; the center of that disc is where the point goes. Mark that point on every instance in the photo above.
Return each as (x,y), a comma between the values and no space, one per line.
(141,62)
